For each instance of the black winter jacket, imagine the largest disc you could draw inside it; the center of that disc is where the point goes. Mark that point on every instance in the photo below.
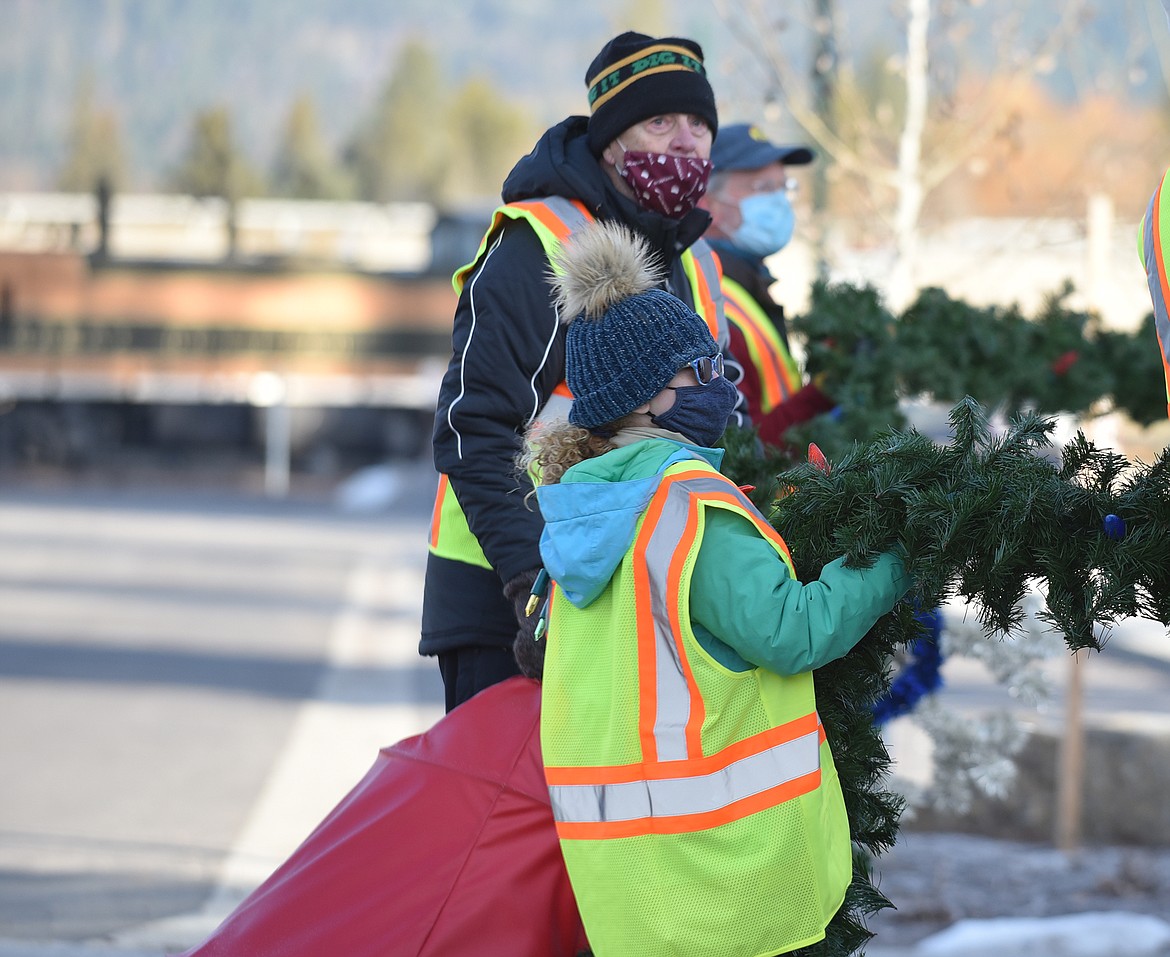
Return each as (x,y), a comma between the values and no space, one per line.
(508,354)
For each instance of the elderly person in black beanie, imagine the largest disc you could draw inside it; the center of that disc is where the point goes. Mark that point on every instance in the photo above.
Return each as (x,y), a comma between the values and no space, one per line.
(641,158)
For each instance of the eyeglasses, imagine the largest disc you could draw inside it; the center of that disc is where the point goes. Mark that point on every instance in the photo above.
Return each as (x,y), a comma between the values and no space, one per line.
(707,367)
(791,185)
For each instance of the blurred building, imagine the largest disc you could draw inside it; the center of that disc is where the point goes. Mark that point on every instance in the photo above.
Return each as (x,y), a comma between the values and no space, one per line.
(368,236)
(176,320)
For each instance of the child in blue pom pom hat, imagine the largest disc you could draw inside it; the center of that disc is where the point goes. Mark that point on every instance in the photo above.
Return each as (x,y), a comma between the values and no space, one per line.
(695,797)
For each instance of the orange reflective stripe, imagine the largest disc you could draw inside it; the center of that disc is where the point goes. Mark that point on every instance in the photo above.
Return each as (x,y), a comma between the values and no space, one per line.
(685,823)
(768,371)
(701,290)
(734,496)
(671,712)
(765,529)
(436,513)
(548,224)
(596,806)
(707,302)
(698,711)
(550,220)
(1156,228)
(779,376)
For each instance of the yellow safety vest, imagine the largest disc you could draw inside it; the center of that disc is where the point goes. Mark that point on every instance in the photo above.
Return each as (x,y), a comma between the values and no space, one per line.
(554,219)
(698,808)
(778,373)
(1154,227)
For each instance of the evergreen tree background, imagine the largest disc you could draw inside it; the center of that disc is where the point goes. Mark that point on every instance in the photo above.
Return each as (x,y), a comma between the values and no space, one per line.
(426,141)
(488,136)
(213,164)
(401,149)
(94,147)
(304,167)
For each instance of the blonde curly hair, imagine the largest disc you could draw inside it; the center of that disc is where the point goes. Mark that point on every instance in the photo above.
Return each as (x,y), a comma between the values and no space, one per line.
(552,451)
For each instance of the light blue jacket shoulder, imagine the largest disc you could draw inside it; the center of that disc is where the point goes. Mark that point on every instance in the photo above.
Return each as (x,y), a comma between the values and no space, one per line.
(592,513)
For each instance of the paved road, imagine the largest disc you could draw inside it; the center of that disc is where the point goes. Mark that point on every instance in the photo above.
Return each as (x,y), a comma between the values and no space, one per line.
(188,682)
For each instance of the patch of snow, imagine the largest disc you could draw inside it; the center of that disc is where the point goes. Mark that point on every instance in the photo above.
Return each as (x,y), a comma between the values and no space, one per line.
(371,489)
(1097,934)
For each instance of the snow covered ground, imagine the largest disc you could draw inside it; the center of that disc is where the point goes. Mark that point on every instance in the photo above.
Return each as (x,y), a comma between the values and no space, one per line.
(962,895)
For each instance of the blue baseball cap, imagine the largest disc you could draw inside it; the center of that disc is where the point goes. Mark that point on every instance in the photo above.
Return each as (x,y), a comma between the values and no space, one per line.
(744,146)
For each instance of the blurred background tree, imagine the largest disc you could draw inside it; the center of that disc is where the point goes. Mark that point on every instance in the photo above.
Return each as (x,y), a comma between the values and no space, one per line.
(402,149)
(942,103)
(304,167)
(487,134)
(213,166)
(94,146)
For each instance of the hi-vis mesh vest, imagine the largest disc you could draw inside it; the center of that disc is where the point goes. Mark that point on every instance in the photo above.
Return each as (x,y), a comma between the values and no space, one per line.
(1154,231)
(554,219)
(698,808)
(778,374)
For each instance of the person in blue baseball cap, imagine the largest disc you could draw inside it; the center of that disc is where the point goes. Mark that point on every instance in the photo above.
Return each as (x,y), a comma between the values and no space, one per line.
(749,199)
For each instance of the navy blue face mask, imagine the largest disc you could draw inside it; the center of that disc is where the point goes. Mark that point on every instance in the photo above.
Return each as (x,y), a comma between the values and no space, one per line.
(700,412)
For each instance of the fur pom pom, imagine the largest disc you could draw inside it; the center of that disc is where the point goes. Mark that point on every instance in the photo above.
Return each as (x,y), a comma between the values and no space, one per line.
(600,265)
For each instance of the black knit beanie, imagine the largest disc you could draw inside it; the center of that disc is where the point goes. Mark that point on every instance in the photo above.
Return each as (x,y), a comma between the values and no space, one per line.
(635,77)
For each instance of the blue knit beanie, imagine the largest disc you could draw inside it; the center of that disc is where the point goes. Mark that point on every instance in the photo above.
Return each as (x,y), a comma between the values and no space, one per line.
(626,338)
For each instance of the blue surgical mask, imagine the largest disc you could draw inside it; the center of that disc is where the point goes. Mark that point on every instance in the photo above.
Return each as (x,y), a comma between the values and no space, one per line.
(767,225)
(700,412)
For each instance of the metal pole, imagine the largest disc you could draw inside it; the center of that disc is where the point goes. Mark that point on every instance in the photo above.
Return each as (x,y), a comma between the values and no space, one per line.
(824,75)
(1071,763)
(269,391)
(278,449)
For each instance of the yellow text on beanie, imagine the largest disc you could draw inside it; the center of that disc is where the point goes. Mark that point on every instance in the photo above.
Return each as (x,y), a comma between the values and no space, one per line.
(635,77)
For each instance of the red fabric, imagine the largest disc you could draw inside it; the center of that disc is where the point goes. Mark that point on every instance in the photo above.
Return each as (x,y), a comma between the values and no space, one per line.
(447,846)
(805,404)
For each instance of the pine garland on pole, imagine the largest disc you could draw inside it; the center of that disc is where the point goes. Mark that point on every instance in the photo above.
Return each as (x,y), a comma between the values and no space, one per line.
(983,519)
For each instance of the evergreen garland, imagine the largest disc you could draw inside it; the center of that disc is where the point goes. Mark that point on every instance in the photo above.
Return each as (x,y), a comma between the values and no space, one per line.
(982,519)
(1061,360)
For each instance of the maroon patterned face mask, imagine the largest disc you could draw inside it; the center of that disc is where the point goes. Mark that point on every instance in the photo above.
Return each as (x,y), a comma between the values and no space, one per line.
(665,184)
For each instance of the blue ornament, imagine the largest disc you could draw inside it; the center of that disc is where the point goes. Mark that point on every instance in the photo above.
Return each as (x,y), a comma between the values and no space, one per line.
(1114,527)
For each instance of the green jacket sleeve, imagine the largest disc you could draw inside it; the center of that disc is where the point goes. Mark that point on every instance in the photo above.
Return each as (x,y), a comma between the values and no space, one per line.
(743,598)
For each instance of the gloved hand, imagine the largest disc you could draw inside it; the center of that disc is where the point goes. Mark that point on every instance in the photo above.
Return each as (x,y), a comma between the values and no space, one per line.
(528,651)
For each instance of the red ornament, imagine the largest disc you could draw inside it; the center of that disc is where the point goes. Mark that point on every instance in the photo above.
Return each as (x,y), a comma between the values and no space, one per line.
(817,458)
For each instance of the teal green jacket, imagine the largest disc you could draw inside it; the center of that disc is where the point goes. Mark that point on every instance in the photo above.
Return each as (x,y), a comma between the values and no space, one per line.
(746,609)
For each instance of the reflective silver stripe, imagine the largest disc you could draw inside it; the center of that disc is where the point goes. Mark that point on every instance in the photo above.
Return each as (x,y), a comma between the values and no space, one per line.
(705,261)
(695,794)
(1153,278)
(566,212)
(674,698)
